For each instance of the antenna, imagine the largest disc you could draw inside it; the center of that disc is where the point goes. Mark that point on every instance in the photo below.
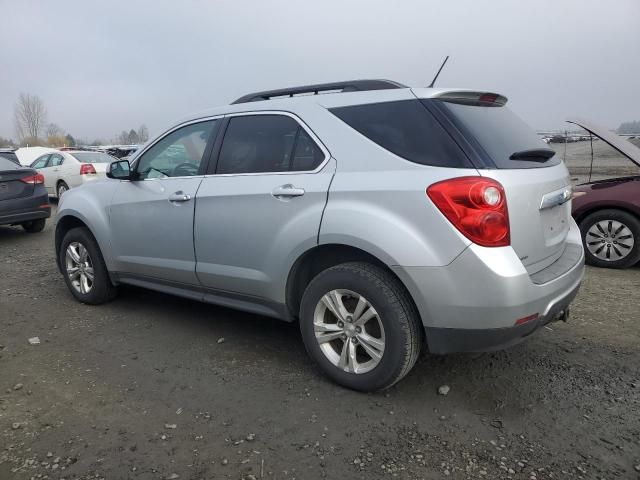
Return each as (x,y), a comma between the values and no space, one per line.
(436,77)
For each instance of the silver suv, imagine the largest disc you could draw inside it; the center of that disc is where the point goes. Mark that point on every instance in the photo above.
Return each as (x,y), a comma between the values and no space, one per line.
(385,219)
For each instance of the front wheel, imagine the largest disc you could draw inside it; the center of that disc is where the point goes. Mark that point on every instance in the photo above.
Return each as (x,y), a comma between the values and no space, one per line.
(611,238)
(83,267)
(360,326)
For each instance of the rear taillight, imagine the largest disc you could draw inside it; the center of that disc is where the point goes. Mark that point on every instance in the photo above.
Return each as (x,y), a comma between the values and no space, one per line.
(86,169)
(476,206)
(36,179)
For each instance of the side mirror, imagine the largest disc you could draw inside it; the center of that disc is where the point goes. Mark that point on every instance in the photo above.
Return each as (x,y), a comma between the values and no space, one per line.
(120,170)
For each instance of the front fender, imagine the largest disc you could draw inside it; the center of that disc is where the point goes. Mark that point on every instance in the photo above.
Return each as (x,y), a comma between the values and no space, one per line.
(90,205)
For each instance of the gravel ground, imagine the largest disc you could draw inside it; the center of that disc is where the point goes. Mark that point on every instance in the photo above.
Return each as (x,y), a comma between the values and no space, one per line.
(155,387)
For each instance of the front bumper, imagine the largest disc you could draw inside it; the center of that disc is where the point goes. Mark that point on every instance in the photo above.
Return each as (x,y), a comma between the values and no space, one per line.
(473,303)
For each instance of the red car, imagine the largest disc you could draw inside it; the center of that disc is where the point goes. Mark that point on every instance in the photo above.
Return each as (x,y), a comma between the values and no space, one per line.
(608,211)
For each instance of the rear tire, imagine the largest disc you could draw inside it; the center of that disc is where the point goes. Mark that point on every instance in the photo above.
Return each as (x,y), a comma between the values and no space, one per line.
(61,189)
(34,226)
(380,351)
(83,267)
(614,231)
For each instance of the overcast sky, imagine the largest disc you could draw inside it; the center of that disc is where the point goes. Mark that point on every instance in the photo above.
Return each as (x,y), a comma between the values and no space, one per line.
(102,67)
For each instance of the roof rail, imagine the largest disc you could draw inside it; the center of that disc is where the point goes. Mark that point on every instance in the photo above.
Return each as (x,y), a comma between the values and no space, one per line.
(349,86)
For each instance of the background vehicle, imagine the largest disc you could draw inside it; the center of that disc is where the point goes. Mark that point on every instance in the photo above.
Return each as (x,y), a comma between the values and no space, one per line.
(377,216)
(23,199)
(608,211)
(9,154)
(67,169)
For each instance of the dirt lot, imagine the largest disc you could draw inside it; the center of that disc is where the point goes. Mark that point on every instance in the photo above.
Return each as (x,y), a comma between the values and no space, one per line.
(145,388)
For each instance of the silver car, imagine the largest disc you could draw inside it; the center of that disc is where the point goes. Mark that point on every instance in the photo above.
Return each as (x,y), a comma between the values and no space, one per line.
(386,220)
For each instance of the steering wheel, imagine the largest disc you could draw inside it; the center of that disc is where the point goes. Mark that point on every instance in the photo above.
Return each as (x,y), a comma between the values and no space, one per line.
(185,170)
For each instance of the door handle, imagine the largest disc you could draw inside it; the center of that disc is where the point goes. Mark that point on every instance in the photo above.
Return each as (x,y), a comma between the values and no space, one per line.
(179,197)
(287,191)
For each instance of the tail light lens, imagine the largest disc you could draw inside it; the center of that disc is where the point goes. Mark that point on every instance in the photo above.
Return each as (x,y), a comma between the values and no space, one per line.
(476,206)
(37,179)
(86,169)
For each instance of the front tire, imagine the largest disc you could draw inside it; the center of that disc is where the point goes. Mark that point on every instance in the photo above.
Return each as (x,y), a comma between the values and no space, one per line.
(360,326)
(611,239)
(83,267)
(34,226)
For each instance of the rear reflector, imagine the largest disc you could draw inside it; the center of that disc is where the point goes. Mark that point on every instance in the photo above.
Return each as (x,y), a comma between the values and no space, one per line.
(86,169)
(526,319)
(36,179)
(46,205)
(476,206)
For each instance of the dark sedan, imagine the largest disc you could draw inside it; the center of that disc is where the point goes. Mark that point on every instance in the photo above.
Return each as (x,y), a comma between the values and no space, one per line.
(23,198)
(608,211)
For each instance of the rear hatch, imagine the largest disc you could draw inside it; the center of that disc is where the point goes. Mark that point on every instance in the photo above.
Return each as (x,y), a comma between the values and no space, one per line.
(12,185)
(535,181)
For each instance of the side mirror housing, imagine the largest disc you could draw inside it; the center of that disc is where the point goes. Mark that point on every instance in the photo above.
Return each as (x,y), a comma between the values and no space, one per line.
(120,170)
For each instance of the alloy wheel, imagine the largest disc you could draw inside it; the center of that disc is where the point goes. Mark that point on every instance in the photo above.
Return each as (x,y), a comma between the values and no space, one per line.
(79,267)
(609,240)
(349,331)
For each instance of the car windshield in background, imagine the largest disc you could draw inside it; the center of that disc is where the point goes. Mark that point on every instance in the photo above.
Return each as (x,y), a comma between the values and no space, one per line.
(500,133)
(93,157)
(10,156)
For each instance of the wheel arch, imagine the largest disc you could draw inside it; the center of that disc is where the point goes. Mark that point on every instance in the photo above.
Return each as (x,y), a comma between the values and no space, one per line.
(584,213)
(321,257)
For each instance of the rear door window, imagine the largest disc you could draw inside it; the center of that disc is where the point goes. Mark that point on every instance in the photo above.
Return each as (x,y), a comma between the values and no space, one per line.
(407,129)
(267,143)
(56,160)
(499,132)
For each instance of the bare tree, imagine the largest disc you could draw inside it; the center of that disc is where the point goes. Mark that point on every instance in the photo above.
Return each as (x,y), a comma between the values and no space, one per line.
(29,116)
(54,130)
(143,133)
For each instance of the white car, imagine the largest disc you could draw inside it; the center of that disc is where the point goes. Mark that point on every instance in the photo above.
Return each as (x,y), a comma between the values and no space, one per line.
(63,170)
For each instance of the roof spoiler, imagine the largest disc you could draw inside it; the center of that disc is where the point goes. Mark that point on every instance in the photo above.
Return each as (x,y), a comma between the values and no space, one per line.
(467,97)
(348,86)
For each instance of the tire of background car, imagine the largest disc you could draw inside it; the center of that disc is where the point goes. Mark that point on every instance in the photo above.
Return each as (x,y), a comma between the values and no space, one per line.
(613,230)
(61,189)
(34,226)
(379,324)
(84,270)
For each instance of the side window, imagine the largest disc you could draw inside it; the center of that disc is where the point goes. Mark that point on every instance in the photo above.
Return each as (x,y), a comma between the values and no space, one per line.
(407,129)
(56,160)
(307,155)
(266,143)
(179,154)
(40,162)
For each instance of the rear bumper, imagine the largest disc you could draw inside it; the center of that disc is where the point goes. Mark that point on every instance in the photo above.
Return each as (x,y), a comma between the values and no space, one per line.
(450,340)
(20,210)
(473,303)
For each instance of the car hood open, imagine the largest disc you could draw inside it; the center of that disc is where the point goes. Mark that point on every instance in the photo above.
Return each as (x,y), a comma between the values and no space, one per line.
(625,147)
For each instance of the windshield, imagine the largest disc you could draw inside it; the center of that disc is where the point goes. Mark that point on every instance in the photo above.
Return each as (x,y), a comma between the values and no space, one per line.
(93,157)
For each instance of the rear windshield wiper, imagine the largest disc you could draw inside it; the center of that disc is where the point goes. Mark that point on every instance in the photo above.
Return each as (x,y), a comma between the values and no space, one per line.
(533,155)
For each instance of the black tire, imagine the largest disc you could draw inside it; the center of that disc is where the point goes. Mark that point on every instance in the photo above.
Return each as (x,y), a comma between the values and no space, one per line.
(102,290)
(34,226)
(397,313)
(630,221)
(60,185)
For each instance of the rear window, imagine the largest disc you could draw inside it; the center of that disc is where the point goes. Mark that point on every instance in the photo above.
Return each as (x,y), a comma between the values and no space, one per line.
(407,129)
(93,157)
(6,164)
(10,156)
(499,132)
